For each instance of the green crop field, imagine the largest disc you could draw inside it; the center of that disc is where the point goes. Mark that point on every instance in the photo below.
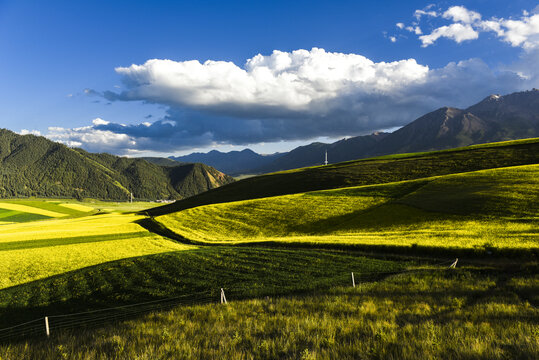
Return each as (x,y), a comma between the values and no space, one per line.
(488,208)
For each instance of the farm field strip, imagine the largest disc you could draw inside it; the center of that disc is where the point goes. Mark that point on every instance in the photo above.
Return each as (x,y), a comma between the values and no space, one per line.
(77,207)
(74,227)
(30,209)
(36,250)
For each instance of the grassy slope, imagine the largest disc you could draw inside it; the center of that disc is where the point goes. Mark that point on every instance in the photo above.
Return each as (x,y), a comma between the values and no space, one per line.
(383,169)
(36,250)
(496,207)
(243,272)
(458,314)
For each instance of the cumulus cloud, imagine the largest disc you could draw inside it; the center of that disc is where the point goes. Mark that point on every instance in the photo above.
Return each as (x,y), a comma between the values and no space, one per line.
(461,14)
(92,139)
(457,32)
(280,85)
(467,24)
(296,95)
(415,29)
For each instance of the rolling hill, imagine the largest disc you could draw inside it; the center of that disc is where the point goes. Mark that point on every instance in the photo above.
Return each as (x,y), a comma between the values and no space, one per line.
(494,207)
(376,170)
(35,166)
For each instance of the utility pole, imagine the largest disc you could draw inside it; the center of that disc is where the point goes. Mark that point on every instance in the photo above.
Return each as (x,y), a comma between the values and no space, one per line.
(326,161)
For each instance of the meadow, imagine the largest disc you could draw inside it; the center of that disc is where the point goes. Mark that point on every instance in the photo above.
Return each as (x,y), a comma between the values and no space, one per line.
(471,312)
(496,208)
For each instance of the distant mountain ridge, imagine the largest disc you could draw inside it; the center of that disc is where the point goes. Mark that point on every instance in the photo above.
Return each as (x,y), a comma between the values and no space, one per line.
(233,162)
(35,166)
(495,118)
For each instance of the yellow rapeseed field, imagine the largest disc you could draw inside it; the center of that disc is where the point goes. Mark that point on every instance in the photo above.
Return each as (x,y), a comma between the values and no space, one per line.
(36,250)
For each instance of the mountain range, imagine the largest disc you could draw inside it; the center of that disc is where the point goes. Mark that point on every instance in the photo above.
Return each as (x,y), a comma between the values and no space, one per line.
(233,162)
(496,118)
(35,166)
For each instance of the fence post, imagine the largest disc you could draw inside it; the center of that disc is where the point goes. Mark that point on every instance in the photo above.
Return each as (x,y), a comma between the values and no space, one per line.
(223,298)
(454,265)
(47,326)
(353,281)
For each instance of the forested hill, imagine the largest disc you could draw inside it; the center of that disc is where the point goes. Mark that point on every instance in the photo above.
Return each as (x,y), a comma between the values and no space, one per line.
(35,166)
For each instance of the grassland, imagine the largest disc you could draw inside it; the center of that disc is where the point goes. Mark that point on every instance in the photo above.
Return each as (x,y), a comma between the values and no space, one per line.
(495,208)
(384,169)
(466,313)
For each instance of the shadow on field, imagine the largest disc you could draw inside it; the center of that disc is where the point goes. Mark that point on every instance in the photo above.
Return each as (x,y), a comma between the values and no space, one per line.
(485,252)
(191,274)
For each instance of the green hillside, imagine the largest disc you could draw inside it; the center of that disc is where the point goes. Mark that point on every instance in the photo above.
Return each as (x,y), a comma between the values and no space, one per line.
(34,166)
(496,207)
(383,169)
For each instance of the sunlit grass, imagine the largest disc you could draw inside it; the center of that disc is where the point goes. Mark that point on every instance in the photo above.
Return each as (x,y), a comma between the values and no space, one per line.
(30,209)
(496,208)
(36,250)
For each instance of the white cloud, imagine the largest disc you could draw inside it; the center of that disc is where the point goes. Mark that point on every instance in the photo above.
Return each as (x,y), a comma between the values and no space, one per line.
(420,13)
(416,30)
(281,83)
(461,14)
(284,96)
(99,121)
(523,33)
(90,138)
(399,25)
(467,24)
(393,39)
(32,132)
(457,32)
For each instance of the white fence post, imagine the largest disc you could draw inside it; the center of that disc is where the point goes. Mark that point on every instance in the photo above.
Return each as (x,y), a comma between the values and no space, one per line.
(454,265)
(47,326)
(353,280)
(223,298)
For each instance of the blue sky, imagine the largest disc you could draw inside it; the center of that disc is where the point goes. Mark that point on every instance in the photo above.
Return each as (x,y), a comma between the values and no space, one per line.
(65,68)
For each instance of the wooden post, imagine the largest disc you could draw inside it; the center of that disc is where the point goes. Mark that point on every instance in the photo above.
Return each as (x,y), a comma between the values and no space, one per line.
(47,326)
(454,265)
(353,280)
(223,298)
